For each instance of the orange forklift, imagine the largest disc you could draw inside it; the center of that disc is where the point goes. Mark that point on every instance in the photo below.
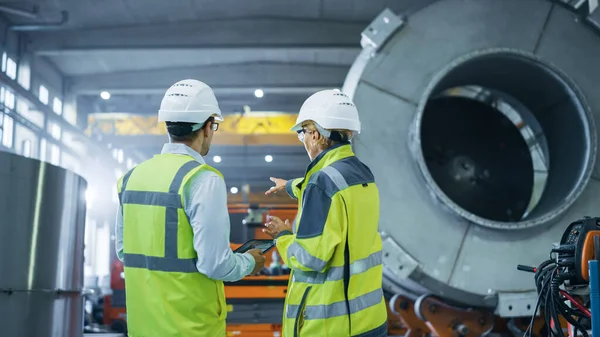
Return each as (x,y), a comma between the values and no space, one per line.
(254,304)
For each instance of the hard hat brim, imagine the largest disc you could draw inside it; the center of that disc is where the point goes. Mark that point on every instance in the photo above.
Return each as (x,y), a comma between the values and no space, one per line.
(297,127)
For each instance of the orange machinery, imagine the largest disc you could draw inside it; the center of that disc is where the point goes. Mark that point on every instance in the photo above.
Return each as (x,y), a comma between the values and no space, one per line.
(254,304)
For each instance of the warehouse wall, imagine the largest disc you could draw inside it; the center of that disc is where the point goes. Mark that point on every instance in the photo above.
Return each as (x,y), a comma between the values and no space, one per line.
(8,39)
(47,75)
(41,126)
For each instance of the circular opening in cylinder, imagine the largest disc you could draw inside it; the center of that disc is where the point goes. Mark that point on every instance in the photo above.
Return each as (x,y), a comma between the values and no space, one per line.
(504,140)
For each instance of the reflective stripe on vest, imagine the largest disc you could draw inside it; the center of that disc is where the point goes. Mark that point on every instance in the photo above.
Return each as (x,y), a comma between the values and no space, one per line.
(337,273)
(172,202)
(338,308)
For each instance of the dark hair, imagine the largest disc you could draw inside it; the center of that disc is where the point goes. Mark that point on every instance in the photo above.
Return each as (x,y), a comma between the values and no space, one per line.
(183,131)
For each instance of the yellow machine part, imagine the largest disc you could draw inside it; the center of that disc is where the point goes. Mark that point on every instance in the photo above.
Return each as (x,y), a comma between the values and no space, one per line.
(248,128)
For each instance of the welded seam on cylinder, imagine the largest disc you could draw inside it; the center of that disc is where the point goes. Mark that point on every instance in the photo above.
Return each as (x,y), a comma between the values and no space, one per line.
(404,99)
(36,223)
(546,22)
(462,244)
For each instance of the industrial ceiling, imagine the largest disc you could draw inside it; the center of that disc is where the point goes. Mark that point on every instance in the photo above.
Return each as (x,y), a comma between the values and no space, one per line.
(135,49)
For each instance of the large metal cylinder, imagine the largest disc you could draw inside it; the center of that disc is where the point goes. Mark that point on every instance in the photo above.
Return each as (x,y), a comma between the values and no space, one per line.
(42,220)
(478,121)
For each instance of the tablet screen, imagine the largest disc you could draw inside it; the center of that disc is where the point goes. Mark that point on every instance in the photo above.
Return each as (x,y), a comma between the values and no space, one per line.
(264,245)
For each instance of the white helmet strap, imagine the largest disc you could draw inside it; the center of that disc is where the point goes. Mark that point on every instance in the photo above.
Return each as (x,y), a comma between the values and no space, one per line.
(336,136)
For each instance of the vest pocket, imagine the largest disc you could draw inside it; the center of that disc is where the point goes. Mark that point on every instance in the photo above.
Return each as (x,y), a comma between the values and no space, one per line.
(300,314)
(222,304)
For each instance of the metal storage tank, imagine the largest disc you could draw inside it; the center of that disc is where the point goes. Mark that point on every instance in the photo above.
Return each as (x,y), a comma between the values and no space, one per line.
(42,223)
(479,123)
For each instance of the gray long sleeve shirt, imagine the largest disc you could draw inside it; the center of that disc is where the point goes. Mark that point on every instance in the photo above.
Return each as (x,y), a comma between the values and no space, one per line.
(205,204)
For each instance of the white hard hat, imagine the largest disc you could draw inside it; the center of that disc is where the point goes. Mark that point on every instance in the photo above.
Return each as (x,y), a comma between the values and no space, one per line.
(330,109)
(189,101)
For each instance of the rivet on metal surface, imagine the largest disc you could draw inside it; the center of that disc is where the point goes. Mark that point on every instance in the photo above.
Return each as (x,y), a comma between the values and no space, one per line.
(462,329)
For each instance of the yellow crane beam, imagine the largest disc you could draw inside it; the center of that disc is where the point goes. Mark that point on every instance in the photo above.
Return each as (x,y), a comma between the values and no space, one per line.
(248,128)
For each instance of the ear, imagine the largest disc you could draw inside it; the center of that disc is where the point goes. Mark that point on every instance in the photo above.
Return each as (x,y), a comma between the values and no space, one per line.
(206,129)
(316,135)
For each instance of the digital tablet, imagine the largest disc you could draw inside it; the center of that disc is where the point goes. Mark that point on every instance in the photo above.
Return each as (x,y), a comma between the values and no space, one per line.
(263,244)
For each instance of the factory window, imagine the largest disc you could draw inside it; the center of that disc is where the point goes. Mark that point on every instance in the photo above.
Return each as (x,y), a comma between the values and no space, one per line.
(115,153)
(4,57)
(11,68)
(129,163)
(43,94)
(9,100)
(43,149)
(115,193)
(120,156)
(24,76)
(70,114)
(57,106)
(54,154)
(32,115)
(2,94)
(54,130)
(22,107)
(7,135)
(27,148)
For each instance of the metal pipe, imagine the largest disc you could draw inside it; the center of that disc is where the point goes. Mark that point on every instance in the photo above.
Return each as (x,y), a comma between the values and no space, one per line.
(20,12)
(43,26)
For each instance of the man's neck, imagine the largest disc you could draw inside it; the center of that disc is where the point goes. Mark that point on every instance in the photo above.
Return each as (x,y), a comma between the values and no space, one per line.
(195,147)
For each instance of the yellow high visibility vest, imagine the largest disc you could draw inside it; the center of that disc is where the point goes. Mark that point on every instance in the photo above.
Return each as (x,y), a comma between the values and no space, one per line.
(335,252)
(166,295)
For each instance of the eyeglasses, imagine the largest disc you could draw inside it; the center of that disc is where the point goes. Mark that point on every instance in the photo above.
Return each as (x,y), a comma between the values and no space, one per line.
(301,133)
(214,126)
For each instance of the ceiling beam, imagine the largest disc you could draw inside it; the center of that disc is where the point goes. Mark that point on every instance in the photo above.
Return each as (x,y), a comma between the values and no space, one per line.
(249,76)
(221,33)
(219,91)
(149,104)
(129,142)
(242,129)
(247,123)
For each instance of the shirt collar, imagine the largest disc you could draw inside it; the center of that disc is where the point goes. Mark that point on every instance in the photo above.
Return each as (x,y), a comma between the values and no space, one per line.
(337,152)
(178,148)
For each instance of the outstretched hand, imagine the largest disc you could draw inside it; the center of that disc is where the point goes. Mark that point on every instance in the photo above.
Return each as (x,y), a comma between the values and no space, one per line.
(279,185)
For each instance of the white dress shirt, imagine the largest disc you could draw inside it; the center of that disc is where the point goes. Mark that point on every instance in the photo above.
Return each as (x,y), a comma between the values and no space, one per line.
(205,204)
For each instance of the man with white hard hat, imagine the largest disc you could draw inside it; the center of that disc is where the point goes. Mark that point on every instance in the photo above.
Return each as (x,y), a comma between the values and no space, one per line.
(173,226)
(334,249)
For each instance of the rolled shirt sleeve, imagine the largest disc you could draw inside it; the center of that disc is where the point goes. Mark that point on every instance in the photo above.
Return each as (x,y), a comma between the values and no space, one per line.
(205,203)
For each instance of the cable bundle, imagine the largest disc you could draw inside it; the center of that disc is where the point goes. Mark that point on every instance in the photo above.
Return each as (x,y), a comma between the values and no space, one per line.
(549,276)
